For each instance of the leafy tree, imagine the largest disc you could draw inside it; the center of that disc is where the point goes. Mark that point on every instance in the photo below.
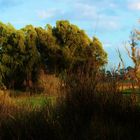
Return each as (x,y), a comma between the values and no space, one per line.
(8,61)
(48,48)
(56,49)
(31,60)
(78,44)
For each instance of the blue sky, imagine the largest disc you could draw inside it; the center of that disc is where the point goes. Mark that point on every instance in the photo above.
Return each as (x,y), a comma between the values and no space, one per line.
(110,20)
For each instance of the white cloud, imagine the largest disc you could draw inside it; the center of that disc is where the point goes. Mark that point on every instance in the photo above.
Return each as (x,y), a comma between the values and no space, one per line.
(111,25)
(86,10)
(134,5)
(50,13)
(107,45)
(106,24)
(98,16)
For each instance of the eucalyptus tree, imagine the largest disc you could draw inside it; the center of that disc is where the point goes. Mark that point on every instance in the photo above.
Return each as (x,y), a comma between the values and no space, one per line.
(8,63)
(23,52)
(48,48)
(31,60)
(76,44)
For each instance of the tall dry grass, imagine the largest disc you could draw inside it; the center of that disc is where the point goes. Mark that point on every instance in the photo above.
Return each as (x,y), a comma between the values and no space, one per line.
(7,105)
(49,83)
(92,107)
(85,110)
(20,122)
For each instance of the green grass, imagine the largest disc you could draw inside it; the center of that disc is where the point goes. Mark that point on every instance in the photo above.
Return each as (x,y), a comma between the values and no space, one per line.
(129,91)
(34,101)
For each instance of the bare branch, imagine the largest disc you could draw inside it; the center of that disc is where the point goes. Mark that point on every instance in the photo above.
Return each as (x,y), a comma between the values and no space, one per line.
(120,56)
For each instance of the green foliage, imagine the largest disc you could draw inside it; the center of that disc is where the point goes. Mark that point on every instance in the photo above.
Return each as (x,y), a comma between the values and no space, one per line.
(31,60)
(76,46)
(55,49)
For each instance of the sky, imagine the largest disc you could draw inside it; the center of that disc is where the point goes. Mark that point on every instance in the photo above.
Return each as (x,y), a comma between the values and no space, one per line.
(109,20)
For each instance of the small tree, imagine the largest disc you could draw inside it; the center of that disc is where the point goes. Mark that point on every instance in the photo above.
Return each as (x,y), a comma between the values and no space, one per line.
(134,54)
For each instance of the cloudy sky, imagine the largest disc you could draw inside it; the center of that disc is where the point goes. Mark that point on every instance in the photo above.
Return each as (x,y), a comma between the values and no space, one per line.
(110,20)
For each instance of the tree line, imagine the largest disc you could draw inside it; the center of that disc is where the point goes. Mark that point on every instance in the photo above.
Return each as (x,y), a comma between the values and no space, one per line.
(24,52)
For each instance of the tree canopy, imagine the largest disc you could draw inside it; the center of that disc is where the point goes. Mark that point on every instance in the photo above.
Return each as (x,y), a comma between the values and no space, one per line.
(25,51)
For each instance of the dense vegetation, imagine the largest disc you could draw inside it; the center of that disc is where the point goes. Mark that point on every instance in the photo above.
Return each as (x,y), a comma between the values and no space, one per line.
(24,52)
(89,102)
(84,110)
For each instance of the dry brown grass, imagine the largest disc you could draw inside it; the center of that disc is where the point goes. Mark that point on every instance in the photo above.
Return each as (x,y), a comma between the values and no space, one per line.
(83,113)
(49,83)
(7,104)
(122,86)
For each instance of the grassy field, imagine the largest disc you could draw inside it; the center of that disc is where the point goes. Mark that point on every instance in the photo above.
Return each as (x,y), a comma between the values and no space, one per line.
(34,101)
